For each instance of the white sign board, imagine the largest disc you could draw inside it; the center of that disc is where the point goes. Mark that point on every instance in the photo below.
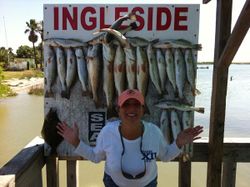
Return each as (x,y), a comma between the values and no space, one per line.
(73,25)
(155,21)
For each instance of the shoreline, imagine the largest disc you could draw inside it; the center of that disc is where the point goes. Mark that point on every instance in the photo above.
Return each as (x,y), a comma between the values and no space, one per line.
(20,86)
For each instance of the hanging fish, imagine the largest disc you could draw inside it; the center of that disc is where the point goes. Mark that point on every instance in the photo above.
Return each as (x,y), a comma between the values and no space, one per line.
(153,69)
(49,130)
(82,69)
(187,123)
(179,43)
(119,70)
(178,106)
(138,41)
(50,69)
(180,72)
(175,124)
(101,38)
(165,126)
(108,51)
(130,57)
(191,71)
(66,43)
(119,36)
(94,66)
(161,64)
(117,24)
(170,68)
(142,70)
(70,72)
(61,68)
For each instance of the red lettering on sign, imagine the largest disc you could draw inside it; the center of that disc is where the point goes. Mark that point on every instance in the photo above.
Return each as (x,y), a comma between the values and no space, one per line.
(179,18)
(139,18)
(119,10)
(150,18)
(92,20)
(160,13)
(56,16)
(67,17)
(102,19)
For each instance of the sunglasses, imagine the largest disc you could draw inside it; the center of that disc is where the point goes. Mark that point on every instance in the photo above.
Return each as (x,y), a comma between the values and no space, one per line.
(125,174)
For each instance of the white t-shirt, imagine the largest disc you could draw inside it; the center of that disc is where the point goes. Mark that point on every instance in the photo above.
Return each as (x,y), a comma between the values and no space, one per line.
(109,147)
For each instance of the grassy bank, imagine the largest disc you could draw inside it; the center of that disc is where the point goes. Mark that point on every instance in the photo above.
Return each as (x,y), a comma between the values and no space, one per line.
(36,91)
(27,74)
(5,90)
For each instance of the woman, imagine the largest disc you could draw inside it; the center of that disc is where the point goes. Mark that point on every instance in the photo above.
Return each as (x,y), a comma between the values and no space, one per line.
(130,146)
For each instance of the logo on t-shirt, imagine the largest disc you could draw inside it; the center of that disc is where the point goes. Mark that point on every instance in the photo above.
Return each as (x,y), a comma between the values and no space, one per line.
(148,155)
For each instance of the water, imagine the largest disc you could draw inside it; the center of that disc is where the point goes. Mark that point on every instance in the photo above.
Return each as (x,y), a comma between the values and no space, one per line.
(237,103)
(21,120)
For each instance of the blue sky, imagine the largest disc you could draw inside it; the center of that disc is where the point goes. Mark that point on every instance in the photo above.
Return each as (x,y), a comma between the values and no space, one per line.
(14,13)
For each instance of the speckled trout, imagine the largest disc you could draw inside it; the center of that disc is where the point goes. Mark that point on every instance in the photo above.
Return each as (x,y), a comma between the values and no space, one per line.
(161,64)
(170,68)
(93,66)
(61,68)
(108,52)
(142,70)
(165,126)
(180,72)
(50,69)
(119,70)
(175,124)
(70,72)
(82,70)
(153,69)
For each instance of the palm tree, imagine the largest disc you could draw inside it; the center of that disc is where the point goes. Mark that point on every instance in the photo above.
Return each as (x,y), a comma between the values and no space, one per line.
(32,29)
(11,55)
(40,31)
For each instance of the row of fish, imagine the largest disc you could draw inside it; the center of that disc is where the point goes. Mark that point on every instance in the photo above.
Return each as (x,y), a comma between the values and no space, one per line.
(171,125)
(121,68)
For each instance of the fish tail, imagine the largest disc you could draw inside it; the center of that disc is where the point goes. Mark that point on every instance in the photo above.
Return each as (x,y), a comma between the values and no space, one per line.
(132,16)
(49,93)
(195,92)
(197,47)
(97,101)
(146,109)
(111,112)
(133,25)
(85,93)
(65,93)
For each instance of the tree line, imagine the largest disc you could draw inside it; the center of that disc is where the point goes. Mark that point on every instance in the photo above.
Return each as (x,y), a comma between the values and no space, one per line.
(34,30)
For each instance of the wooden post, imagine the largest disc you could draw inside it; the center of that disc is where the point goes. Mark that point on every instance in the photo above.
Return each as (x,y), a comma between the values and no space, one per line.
(52,171)
(72,173)
(229,173)
(184,173)
(218,101)
(239,32)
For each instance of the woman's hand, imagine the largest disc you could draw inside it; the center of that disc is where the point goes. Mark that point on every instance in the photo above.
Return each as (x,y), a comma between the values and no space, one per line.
(188,135)
(71,135)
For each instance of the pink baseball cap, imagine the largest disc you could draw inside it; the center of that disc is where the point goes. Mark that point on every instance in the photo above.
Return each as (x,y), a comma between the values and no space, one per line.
(130,94)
